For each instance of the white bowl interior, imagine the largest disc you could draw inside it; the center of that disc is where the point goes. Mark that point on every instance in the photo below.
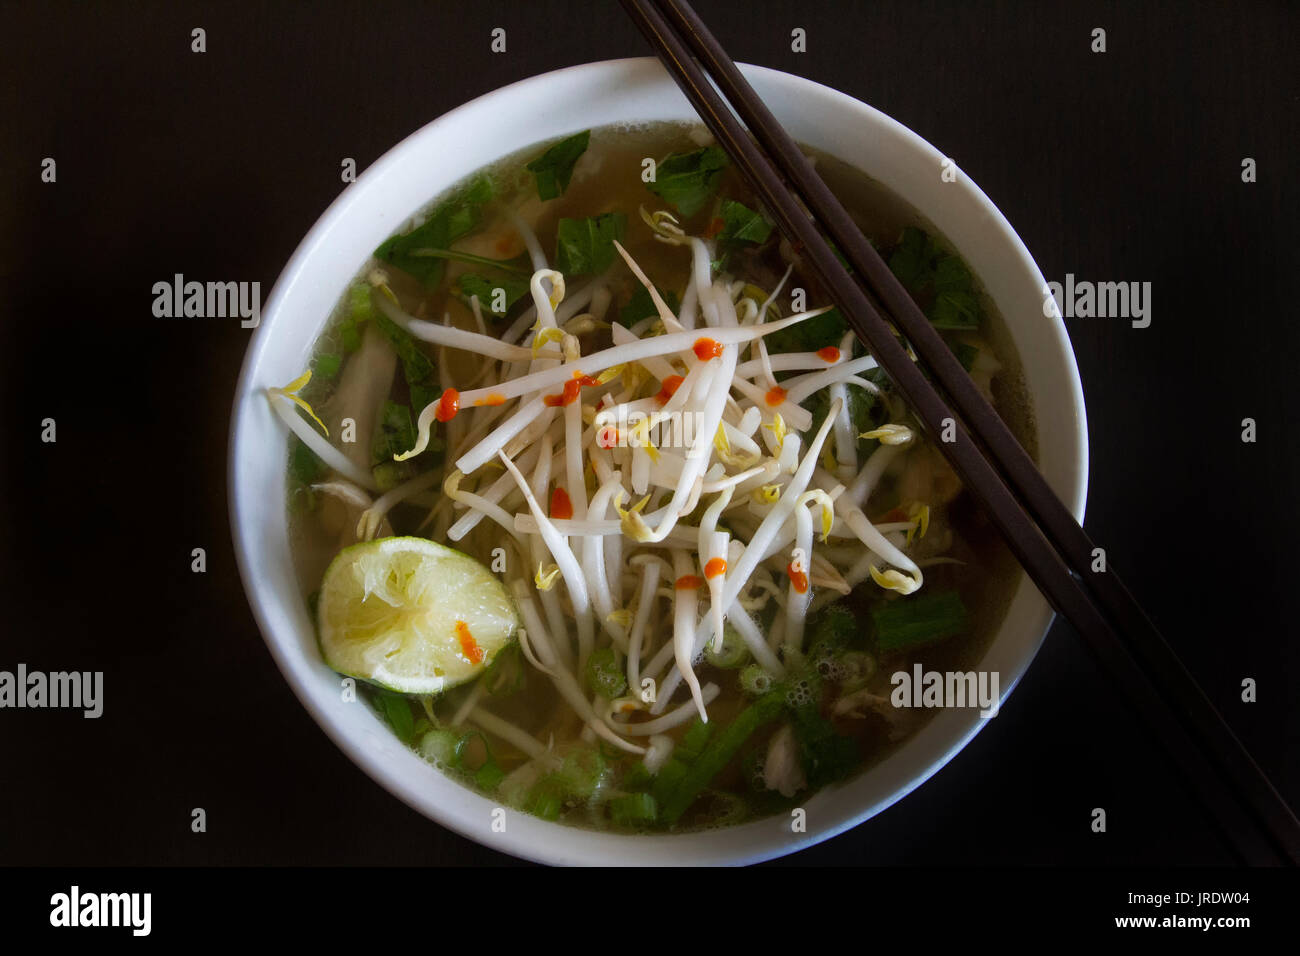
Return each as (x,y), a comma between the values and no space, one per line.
(475,135)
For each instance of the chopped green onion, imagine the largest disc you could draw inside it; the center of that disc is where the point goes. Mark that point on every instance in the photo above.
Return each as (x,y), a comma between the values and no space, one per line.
(633,810)
(719,753)
(667,780)
(439,747)
(727,810)
(638,777)
(327,365)
(488,774)
(755,681)
(693,741)
(733,653)
(583,772)
(545,799)
(834,625)
(360,309)
(856,668)
(917,620)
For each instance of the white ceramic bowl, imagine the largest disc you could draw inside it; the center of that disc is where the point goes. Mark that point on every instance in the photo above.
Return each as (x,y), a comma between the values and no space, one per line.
(424,165)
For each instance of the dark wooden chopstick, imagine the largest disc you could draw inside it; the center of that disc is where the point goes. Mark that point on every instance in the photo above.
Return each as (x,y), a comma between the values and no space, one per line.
(1097,604)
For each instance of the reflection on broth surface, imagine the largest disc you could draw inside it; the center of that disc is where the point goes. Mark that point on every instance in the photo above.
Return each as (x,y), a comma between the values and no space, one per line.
(702,532)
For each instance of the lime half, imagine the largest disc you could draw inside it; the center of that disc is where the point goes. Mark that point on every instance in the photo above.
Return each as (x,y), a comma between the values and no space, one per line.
(411,615)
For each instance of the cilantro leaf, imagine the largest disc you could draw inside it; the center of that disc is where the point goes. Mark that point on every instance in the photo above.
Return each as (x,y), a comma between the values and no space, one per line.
(810,334)
(396,432)
(586,246)
(304,466)
(966,354)
(865,412)
(554,168)
(453,219)
(742,225)
(938,280)
(421,376)
(641,306)
(688,180)
(485,288)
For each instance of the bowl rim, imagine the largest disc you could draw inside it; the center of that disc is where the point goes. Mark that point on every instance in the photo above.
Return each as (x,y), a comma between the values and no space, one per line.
(534,839)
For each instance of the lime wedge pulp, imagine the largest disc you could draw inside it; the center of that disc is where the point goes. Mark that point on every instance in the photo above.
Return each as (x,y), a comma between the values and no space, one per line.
(411,615)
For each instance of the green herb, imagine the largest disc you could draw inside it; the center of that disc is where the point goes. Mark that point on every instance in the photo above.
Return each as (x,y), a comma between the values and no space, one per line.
(506,673)
(755,681)
(396,709)
(389,474)
(488,774)
(637,778)
(604,676)
(582,773)
(917,620)
(938,280)
(554,168)
(641,306)
(327,366)
(966,354)
(304,466)
(360,309)
(825,755)
(719,753)
(742,225)
(438,746)
(633,810)
(834,625)
(512,290)
(810,334)
(865,412)
(518,265)
(586,246)
(667,780)
(396,432)
(693,741)
(546,798)
(421,377)
(455,218)
(733,653)
(688,180)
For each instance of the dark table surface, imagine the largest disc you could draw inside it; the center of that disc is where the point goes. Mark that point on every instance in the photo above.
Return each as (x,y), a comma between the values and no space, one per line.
(1115,166)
